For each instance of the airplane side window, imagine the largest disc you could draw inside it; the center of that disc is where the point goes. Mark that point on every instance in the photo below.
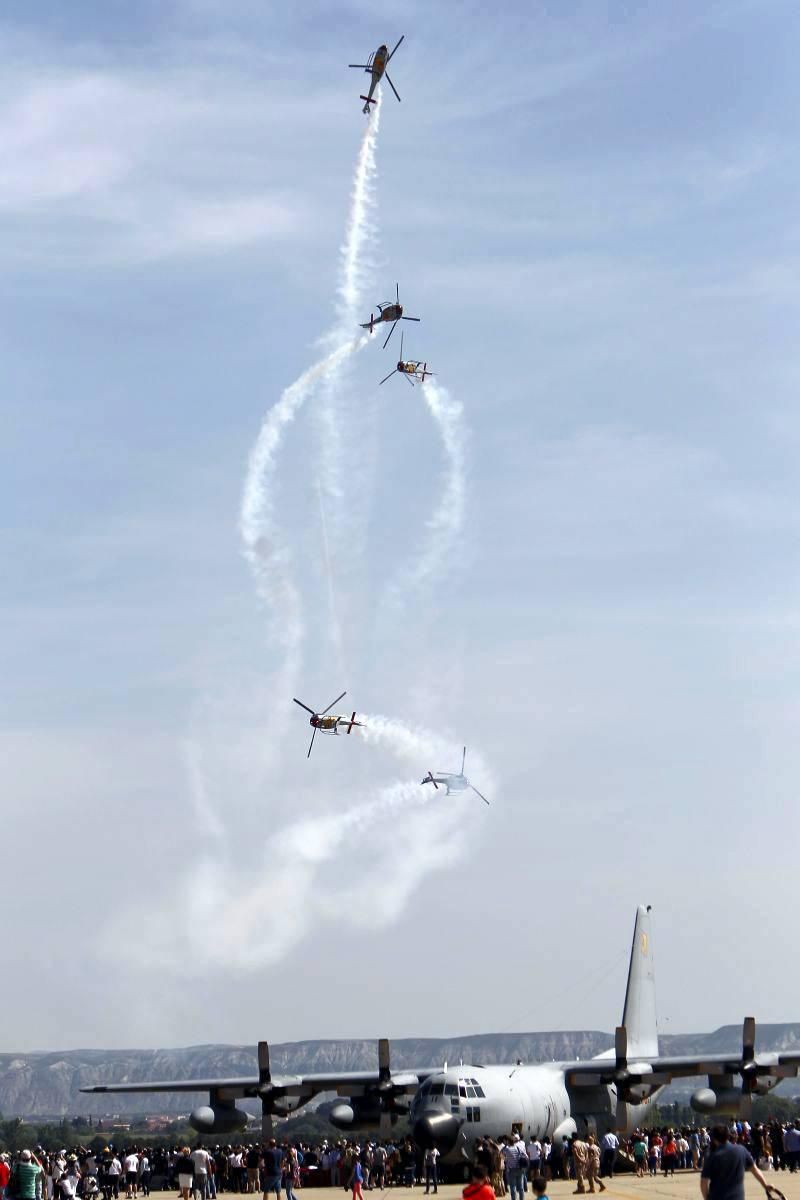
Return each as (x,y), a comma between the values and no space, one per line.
(476,1115)
(469,1114)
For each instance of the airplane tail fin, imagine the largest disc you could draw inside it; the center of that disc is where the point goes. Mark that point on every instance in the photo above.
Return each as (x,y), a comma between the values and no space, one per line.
(639,1014)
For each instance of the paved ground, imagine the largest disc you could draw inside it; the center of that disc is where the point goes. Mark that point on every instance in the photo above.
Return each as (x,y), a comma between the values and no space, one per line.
(683,1186)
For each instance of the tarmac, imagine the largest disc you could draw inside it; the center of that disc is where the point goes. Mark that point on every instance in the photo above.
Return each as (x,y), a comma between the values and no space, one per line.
(685,1185)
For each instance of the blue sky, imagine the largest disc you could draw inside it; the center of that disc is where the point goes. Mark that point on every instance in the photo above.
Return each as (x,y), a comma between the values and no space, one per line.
(594,210)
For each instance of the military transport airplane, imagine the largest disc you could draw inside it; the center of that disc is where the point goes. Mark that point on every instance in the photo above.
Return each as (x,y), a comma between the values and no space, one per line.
(326,721)
(453,781)
(451,1107)
(376,66)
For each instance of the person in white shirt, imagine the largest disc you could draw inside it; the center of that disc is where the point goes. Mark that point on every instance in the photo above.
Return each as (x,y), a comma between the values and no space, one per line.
(200,1158)
(535,1156)
(431,1170)
(131,1165)
(113,1174)
(609,1144)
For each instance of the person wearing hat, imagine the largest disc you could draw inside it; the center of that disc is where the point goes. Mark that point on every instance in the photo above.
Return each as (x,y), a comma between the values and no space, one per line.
(25,1175)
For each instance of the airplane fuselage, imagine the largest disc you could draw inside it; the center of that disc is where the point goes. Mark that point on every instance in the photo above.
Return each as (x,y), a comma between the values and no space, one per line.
(451,783)
(455,1107)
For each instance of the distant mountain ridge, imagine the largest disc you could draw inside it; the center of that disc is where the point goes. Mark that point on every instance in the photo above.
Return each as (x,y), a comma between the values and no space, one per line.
(47,1083)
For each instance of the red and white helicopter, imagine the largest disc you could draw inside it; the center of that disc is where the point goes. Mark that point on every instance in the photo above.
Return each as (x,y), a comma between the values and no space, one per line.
(376,66)
(389,311)
(410,368)
(326,721)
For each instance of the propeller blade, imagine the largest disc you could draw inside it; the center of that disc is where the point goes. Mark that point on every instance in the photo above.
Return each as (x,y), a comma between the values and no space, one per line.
(391,331)
(385,1125)
(463,759)
(305,706)
(621,1116)
(266,1120)
(391,56)
(748,1039)
(621,1047)
(477,793)
(391,85)
(384,1061)
(264,1075)
(311,746)
(389,376)
(330,706)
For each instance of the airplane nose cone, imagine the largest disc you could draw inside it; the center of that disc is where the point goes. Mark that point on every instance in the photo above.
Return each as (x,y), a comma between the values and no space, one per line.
(436,1129)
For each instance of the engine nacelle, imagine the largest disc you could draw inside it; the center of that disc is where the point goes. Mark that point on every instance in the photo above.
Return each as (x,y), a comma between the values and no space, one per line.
(358,1110)
(731,1102)
(220,1119)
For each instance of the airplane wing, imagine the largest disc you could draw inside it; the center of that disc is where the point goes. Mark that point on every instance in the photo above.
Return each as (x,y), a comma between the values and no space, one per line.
(615,1067)
(301,1087)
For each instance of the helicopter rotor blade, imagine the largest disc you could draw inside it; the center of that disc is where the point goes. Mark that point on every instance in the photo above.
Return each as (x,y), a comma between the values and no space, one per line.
(477,793)
(397,292)
(389,334)
(391,56)
(330,706)
(305,706)
(408,378)
(410,318)
(311,745)
(401,343)
(391,85)
(463,759)
(389,376)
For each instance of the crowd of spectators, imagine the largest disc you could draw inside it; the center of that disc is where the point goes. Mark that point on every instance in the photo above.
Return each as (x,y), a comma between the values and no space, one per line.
(508,1165)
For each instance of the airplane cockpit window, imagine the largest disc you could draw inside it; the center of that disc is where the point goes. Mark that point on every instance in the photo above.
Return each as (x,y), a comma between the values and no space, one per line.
(450,1089)
(479,1092)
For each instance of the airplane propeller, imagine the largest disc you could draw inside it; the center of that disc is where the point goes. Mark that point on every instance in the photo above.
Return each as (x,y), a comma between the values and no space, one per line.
(265,1088)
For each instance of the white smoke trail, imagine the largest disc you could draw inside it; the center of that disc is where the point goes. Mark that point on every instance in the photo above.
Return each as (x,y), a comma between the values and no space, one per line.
(269,559)
(360,225)
(229,918)
(445,525)
(424,750)
(354,270)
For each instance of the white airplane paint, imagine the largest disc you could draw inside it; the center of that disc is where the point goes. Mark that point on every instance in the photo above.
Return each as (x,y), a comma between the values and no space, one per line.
(452,1108)
(456,1106)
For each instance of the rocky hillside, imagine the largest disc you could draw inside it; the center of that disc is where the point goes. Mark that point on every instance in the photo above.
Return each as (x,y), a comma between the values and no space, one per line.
(46,1084)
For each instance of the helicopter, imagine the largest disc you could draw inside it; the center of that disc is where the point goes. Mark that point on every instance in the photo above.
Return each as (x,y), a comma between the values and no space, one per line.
(411,369)
(453,782)
(326,721)
(388,311)
(376,66)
